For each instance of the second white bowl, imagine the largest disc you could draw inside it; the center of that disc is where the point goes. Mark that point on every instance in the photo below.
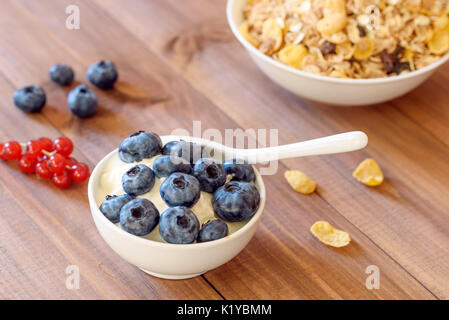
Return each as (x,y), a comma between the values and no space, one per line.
(335,91)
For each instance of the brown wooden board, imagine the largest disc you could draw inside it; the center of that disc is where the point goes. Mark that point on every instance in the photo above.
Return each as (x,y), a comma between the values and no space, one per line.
(178,62)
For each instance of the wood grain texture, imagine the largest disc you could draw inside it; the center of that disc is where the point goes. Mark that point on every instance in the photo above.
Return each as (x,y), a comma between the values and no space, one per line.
(178,63)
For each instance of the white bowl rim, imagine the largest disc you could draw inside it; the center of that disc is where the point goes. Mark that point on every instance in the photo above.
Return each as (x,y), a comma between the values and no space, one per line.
(253,50)
(192,246)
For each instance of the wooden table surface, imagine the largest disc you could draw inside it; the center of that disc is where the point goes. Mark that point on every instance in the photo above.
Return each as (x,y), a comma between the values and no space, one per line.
(178,62)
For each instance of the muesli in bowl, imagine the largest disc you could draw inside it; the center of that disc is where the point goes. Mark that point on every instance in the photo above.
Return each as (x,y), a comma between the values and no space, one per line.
(356,39)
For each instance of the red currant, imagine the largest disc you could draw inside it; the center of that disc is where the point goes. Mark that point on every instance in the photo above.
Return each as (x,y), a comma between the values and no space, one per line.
(34,148)
(42,158)
(46,144)
(70,162)
(57,164)
(63,145)
(12,150)
(80,172)
(62,180)
(43,171)
(27,163)
(2,157)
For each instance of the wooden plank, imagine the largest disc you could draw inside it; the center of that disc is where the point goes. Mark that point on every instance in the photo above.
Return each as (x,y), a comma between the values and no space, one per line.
(307,268)
(285,261)
(427,105)
(411,202)
(43,229)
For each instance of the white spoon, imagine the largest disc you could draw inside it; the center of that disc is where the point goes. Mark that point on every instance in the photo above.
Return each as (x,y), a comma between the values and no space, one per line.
(339,143)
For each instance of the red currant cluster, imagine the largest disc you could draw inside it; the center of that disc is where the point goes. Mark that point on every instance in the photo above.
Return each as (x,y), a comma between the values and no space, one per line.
(48,159)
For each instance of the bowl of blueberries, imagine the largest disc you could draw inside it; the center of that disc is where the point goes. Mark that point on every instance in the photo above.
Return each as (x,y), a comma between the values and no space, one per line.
(173,206)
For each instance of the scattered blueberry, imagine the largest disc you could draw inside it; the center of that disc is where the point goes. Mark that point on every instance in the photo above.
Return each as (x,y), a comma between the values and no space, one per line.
(210,174)
(188,150)
(112,205)
(138,180)
(139,217)
(62,74)
(140,145)
(179,225)
(163,166)
(30,98)
(180,189)
(236,201)
(213,230)
(240,171)
(83,102)
(102,74)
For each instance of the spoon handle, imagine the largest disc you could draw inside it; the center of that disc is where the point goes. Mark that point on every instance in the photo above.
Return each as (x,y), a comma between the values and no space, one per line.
(343,142)
(338,143)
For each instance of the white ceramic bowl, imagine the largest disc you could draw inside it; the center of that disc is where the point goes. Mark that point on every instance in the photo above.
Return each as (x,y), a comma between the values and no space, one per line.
(335,91)
(164,260)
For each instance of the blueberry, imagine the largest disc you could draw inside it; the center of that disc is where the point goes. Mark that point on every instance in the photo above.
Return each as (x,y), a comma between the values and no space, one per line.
(210,174)
(138,180)
(240,171)
(83,102)
(102,74)
(163,166)
(180,189)
(188,150)
(30,98)
(140,145)
(62,74)
(139,217)
(112,205)
(170,147)
(213,230)
(179,225)
(236,201)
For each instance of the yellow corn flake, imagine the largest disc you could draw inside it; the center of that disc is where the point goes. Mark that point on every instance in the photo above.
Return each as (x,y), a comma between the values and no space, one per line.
(330,236)
(335,5)
(272,32)
(364,49)
(244,31)
(332,23)
(368,172)
(442,23)
(439,43)
(408,55)
(429,35)
(293,55)
(251,2)
(300,182)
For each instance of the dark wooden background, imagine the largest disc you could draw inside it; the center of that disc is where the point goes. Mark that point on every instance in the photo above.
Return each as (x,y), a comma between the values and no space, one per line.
(178,62)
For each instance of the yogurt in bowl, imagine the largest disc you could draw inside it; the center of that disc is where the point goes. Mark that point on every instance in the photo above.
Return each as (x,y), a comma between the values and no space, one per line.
(111,184)
(150,252)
